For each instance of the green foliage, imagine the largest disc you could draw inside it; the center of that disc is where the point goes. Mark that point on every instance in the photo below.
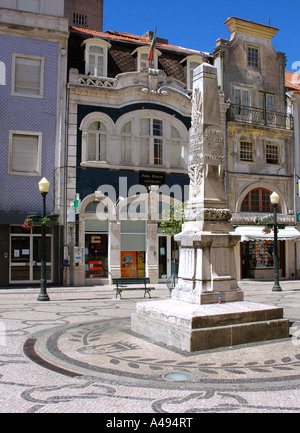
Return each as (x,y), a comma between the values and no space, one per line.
(172,219)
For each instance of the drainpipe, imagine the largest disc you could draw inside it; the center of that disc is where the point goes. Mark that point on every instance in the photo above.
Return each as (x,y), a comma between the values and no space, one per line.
(294,181)
(62,103)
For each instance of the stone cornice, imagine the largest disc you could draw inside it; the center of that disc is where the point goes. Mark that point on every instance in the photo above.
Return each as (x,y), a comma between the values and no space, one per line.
(38,26)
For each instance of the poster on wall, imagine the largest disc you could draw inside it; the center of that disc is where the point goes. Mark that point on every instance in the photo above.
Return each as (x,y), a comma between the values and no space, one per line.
(128,264)
(132,264)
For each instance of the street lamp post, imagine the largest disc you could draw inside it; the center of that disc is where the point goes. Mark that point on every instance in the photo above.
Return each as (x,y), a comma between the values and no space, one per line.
(44,189)
(274,201)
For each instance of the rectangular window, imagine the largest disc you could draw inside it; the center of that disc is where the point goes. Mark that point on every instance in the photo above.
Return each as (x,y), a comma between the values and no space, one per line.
(80,19)
(96,61)
(253,57)
(28,5)
(266,101)
(242,97)
(25,153)
(151,147)
(27,79)
(126,142)
(272,154)
(246,151)
(176,156)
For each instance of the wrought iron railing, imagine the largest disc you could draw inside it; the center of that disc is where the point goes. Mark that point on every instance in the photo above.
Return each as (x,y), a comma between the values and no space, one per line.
(259,116)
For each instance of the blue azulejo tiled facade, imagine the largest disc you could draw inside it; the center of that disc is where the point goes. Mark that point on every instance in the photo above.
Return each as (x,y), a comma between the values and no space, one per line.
(19,193)
(30,122)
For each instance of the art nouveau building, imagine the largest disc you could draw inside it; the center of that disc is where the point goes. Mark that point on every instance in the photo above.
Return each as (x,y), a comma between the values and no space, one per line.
(260,147)
(127,151)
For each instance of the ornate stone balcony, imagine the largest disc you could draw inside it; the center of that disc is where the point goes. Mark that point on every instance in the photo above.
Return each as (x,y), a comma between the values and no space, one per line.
(259,116)
(88,80)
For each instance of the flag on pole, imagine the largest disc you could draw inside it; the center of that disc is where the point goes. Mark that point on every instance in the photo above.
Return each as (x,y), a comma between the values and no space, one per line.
(152,46)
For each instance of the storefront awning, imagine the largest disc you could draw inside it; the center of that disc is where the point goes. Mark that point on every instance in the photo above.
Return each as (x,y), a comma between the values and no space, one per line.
(255,233)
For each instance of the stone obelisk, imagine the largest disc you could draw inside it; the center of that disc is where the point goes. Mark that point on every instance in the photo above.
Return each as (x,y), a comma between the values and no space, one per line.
(207,309)
(207,267)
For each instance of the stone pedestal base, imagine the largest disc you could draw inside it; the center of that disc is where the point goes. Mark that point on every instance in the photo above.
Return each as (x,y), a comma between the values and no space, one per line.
(192,327)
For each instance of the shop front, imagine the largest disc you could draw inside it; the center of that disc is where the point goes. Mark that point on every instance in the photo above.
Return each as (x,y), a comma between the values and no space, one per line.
(256,253)
(117,242)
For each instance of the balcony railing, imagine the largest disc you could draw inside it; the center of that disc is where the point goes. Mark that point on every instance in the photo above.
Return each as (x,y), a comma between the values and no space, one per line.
(259,116)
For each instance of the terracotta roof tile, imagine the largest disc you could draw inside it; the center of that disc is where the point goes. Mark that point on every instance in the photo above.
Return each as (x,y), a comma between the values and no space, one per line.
(292,80)
(131,38)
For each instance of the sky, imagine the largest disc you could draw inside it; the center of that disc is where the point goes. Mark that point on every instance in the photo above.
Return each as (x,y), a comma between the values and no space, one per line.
(197,24)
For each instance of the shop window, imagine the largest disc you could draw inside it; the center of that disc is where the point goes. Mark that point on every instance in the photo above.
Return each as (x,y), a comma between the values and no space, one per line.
(257,200)
(96,255)
(133,247)
(258,259)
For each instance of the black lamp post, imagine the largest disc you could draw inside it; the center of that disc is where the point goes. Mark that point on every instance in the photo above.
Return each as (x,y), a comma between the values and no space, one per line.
(44,189)
(275,200)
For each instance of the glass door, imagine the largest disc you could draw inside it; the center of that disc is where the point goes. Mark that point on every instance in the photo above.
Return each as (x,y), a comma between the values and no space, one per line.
(164,257)
(25,256)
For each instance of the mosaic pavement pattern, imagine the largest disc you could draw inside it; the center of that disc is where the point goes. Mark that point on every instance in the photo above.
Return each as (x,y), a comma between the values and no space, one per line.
(77,353)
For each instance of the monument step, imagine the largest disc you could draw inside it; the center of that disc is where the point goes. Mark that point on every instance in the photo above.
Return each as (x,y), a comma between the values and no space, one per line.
(159,330)
(194,316)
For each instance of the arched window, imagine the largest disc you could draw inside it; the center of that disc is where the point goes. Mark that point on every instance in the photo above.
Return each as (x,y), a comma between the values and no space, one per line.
(258,200)
(192,62)
(176,148)
(142,54)
(97,142)
(151,141)
(96,57)
(126,142)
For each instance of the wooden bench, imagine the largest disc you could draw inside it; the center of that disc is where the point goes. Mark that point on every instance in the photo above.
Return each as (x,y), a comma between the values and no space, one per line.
(121,282)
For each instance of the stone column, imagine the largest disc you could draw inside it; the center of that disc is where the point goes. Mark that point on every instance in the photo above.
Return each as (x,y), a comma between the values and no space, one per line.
(207,262)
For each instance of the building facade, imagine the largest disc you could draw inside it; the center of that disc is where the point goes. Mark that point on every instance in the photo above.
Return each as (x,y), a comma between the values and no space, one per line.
(259,148)
(33,39)
(292,84)
(85,14)
(128,143)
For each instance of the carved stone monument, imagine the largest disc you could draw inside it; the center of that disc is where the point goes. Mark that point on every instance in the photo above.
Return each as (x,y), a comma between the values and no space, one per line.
(207,262)
(207,308)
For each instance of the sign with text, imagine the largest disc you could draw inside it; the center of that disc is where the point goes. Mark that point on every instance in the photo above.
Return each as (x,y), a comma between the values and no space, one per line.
(148,178)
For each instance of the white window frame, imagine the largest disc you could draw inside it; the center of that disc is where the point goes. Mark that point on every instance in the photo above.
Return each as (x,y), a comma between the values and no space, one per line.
(151,138)
(176,144)
(25,93)
(127,140)
(142,57)
(196,61)
(13,133)
(98,134)
(99,43)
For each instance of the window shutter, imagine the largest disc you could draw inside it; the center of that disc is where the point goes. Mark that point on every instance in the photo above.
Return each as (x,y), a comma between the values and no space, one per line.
(28,76)
(25,153)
